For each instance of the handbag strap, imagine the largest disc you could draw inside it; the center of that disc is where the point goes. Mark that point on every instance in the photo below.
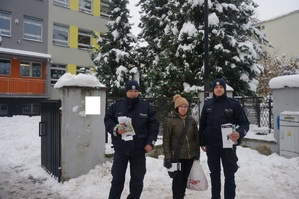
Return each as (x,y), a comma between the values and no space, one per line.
(176,153)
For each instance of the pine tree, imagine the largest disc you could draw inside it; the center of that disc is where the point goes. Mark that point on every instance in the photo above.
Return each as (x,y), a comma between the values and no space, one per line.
(174,31)
(234,45)
(114,59)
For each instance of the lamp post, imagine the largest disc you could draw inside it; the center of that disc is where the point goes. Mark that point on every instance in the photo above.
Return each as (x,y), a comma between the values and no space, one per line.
(206,51)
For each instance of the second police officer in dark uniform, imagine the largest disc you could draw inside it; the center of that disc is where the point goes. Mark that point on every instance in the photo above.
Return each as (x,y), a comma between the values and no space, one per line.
(131,149)
(217,111)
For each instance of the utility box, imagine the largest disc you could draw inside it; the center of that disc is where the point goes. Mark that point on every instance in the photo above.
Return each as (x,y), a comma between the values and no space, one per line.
(289,133)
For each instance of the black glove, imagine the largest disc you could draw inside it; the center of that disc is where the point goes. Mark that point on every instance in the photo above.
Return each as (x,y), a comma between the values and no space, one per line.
(167,163)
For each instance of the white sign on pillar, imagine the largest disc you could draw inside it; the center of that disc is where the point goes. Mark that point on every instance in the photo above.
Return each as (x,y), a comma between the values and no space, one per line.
(92,105)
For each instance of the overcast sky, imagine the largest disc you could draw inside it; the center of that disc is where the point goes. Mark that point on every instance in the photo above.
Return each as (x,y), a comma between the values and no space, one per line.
(267,9)
(272,8)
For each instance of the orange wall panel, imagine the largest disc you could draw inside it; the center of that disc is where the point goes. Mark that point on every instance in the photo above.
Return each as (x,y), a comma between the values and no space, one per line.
(15,84)
(15,68)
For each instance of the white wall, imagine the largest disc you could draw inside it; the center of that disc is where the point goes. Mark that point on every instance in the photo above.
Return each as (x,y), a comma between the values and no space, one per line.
(282,32)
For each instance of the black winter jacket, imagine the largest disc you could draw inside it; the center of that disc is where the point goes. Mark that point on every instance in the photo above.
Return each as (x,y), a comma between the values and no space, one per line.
(218,111)
(144,122)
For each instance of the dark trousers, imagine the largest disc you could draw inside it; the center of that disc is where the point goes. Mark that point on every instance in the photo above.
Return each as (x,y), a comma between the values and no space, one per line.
(216,155)
(118,171)
(179,182)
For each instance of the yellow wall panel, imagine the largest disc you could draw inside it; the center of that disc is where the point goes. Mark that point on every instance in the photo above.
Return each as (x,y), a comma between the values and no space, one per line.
(72,68)
(96,8)
(95,40)
(74,4)
(73,37)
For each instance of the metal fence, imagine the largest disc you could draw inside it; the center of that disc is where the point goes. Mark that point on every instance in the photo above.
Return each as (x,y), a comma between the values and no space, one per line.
(258,109)
(164,106)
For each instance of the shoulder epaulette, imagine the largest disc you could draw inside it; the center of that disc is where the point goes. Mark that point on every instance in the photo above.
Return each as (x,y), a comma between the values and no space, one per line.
(119,100)
(116,101)
(209,100)
(145,101)
(233,99)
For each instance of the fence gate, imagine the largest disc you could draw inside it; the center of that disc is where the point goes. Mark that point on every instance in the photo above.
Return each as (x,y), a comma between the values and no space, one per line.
(50,133)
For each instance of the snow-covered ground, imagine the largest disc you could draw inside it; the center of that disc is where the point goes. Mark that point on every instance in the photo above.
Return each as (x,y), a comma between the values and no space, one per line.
(21,176)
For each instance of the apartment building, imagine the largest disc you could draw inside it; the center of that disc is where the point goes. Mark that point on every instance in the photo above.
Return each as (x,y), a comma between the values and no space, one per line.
(282,32)
(40,41)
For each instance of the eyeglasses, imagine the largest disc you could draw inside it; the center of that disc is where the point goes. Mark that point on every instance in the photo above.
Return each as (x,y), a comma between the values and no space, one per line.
(183,107)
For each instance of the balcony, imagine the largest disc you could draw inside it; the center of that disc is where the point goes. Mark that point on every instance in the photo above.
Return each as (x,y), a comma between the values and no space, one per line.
(22,86)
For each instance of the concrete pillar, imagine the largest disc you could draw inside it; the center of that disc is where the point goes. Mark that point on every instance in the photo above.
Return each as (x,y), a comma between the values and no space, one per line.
(82,136)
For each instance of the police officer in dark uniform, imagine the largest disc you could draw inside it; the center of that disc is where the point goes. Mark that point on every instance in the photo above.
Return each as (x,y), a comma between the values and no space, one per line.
(132,147)
(217,111)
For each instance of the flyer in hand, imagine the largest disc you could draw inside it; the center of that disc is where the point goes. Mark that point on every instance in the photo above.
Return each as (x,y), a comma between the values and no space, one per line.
(175,166)
(126,124)
(227,129)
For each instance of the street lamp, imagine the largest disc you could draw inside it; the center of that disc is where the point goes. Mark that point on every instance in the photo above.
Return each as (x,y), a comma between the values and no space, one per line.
(206,51)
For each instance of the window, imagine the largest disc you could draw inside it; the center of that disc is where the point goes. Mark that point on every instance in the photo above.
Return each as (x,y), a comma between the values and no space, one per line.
(3,109)
(85,6)
(36,70)
(63,3)
(30,109)
(5,67)
(61,35)
(5,23)
(84,39)
(105,8)
(260,27)
(25,69)
(32,29)
(82,69)
(30,69)
(57,70)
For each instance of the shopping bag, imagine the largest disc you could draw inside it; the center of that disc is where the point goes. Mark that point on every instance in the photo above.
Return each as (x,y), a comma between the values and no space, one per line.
(197,179)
